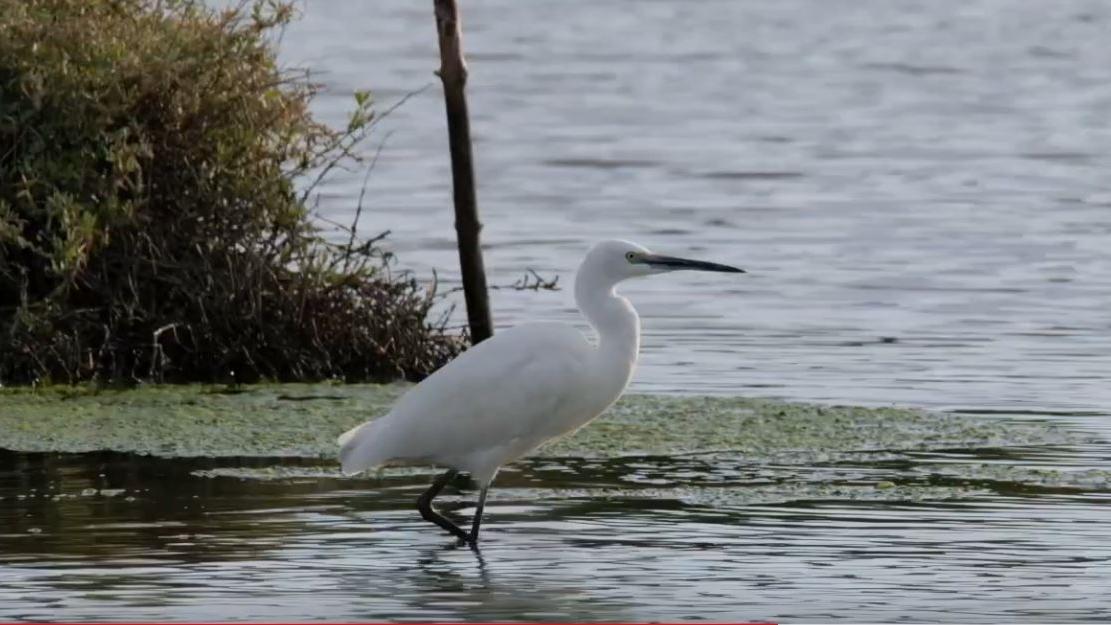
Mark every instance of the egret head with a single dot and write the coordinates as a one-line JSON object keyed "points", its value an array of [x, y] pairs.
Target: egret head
{"points": [[619, 260]]}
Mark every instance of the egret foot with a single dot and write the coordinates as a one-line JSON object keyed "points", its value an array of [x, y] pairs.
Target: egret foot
{"points": [[424, 505]]}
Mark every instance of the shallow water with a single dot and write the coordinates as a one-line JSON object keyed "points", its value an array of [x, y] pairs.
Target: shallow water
{"points": [[920, 536], [947, 526], [919, 192]]}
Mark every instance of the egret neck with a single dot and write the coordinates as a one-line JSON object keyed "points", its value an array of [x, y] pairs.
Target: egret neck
{"points": [[614, 320]]}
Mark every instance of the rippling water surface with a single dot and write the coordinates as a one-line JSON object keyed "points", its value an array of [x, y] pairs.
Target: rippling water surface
{"points": [[104, 537], [919, 190]]}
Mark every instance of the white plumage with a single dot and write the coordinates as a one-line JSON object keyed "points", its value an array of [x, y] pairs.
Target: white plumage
{"points": [[492, 404], [525, 386]]}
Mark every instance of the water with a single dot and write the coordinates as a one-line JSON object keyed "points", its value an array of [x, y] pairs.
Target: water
{"points": [[149, 539], [919, 192], [928, 172]]}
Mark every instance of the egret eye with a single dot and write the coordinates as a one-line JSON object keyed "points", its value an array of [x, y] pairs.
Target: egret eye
{"points": [[629, 256]]}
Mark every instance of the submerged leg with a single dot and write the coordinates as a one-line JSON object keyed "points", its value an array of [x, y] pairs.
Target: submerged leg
{"points": [[424, 504], [478, 515]]}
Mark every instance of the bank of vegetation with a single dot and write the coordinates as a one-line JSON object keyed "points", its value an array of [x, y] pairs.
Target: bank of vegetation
{"points": [[156, 176]]}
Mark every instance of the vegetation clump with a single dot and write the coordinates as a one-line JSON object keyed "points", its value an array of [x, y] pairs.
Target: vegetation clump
{"points": [[303, 420], [156, 165]]}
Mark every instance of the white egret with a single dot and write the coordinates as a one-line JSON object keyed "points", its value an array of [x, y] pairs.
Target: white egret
{"points": [[524, 386]]}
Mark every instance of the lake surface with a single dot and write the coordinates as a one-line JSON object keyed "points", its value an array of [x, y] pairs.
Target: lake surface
{"points": [[919, 192], [929, 173], [112, 537]]}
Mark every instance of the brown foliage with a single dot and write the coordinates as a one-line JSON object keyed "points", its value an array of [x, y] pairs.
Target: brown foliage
{"points": [[151, 224]]}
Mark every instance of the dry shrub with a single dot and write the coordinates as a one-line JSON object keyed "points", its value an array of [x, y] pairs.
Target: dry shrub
{"points": [[151, 225]]}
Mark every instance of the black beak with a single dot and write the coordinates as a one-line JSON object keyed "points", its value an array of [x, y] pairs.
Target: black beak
{"points": [[674, 263]]}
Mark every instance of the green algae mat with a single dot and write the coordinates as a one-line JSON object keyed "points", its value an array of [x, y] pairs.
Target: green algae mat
{"points": [[301, 420]]}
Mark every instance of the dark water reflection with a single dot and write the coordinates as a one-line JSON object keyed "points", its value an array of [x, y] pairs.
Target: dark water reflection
{"points": [[108, 536]]}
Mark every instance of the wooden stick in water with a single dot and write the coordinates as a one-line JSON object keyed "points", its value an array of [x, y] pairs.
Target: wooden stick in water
{"points": [[453, 73]]}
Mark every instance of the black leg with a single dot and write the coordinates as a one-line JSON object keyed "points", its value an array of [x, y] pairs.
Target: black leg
{"points": [[424, 504], [478, 515]]}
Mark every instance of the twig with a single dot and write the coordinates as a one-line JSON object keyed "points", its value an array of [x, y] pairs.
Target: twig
{"points": [[362, 195], [539, 283]]}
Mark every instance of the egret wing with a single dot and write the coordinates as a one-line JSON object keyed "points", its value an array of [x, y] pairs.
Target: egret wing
{"points": [[512, 386]]}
